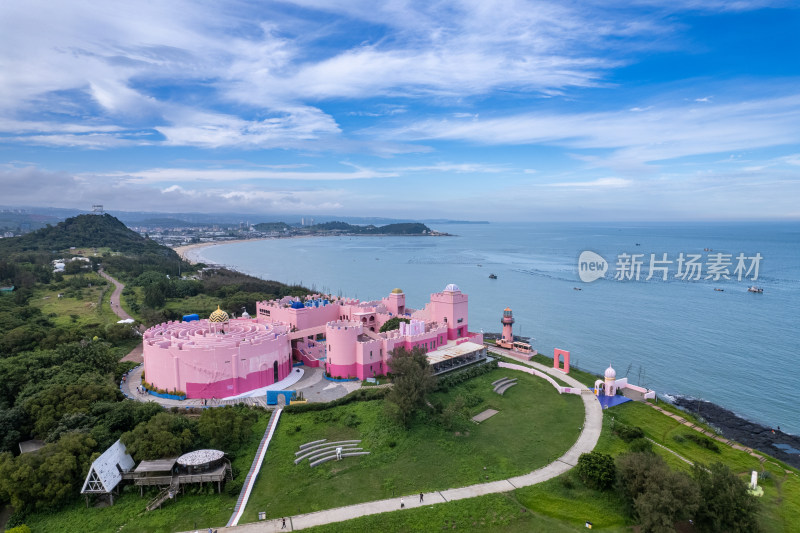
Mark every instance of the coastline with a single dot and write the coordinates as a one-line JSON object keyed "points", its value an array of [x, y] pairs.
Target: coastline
{"points": [[190, 252], [743, 431]]}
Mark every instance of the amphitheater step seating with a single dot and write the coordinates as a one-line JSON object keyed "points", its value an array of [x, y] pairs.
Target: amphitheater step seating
{"points": [[312, 443], [502, 385], [322, 451], [313, 446], [326, 458]]}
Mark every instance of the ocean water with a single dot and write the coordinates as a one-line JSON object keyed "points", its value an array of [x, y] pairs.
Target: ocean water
{"points": [[730, 347]]}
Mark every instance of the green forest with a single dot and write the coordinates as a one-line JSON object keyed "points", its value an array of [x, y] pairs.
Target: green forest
{"points": [[60, 351]]}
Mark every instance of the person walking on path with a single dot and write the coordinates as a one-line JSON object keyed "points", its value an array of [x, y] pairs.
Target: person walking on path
{"points": [[420, 497], [402, 503], [283, 525]]}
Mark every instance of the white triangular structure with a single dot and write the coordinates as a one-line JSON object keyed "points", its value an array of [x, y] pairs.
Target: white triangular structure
{"points": [[106, 471]]}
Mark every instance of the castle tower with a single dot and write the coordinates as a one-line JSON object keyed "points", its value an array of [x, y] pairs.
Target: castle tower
{"points": [[396, 303], [610, 384], [449, 307], [507, 321]]}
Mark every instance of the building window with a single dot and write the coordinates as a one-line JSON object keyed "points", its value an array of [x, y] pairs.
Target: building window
{"points": [[460, 320]]}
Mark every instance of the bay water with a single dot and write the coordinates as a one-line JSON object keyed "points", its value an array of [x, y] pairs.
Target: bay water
{"points": [[732, 347]]}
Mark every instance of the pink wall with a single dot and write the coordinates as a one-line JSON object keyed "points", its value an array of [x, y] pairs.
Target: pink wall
{"points": [[191, 357], [307, 317]]}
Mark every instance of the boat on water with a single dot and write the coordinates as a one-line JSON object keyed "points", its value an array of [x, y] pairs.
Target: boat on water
{"points": [[720, 290], [492, 276], [577, 289], [755, 289]]}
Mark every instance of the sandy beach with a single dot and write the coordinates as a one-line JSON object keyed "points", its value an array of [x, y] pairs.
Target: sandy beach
{"points": [[191, 252]]}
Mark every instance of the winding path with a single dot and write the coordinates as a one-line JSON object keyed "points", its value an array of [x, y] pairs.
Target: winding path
{"points": [[115, 296], [135, 355], [590, 433]]}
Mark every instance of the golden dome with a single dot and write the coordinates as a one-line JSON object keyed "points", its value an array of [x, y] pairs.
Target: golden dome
{"points": [[397, 291], [218, 316]]}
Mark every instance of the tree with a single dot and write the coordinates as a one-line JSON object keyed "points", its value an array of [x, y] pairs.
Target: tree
{"points": [[48, 477], [413, 379], [226, 428], [49, 405], [725, 504], [655, 495], [164, 435], [665, 501], [393, 323], [597, 470]]}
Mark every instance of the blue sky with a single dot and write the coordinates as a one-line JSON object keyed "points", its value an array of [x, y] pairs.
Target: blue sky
{"points": [[508, 110]]}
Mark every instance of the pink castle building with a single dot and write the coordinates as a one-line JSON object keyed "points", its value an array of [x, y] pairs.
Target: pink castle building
{"points": [[221, 357]]}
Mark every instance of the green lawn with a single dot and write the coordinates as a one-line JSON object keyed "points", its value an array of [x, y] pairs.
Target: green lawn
{"points": [[202, 304], [495, 512], [85, 304], [198, 508], [534, 426]]}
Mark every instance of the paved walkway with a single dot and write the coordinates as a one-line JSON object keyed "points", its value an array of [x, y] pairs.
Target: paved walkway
{"points": [[313, 386], [592, 426]]}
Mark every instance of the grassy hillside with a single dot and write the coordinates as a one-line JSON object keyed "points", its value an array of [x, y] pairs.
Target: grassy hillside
{"points": [[95, 231]]}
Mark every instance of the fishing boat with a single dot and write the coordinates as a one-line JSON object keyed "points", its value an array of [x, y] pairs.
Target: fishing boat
{"points": [[492, 276], [755, 289]]}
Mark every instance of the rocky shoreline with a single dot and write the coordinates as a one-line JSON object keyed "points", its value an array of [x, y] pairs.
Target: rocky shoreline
{"points": [[734, 427]]}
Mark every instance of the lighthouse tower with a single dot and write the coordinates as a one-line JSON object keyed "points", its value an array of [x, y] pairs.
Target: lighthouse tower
{"points": [[507, 321]]}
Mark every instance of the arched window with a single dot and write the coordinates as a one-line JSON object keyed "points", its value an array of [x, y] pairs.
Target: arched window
{"points": [[275, 372]]}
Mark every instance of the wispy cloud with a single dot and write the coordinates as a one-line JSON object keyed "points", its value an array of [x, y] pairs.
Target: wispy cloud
{"points": [[217, 175], [613, 183], [649, 135]]}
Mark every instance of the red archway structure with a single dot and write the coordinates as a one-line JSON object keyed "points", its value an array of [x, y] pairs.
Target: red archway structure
{"points": [[558, 354]]}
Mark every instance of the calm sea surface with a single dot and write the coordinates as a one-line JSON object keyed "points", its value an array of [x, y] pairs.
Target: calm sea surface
{"points": [[731, 347]]}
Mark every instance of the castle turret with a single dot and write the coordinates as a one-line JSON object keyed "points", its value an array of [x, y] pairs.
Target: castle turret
{"points": [[507, 321]]}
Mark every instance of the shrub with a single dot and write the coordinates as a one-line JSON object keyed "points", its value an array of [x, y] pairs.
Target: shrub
{"points": [[19, 529], [234, 487], [702, 440], [597, 470], [628, 433], [641, 446]]}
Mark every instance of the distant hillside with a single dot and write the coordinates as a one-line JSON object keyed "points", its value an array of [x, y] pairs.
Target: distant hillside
{"points": [[272, 226], [401, 228], [82, 231]]}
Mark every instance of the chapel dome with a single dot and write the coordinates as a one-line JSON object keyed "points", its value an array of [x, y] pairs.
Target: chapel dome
{"points": [[452, 288], [397, 291], [218, 316], [610, 372]]}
